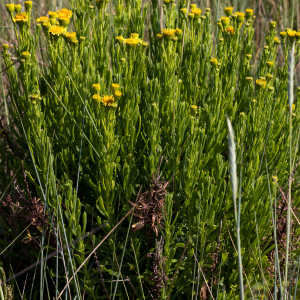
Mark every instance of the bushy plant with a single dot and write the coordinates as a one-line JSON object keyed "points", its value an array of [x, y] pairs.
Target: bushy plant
{"points": [[123, 118]]}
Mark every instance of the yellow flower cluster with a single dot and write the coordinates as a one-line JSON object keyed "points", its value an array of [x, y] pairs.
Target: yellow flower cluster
{"points": [[61, 18], [131, 42]]}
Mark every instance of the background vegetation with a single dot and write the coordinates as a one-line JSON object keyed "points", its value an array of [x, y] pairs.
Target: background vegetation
{"points": [[118, 164]]}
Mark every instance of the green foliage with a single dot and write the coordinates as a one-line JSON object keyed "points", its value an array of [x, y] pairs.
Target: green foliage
{"points": [[121, 104]]}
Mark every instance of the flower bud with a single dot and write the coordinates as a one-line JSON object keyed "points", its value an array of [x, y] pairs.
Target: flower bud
{"points": [[96, 99], [18, 8], [25, 55], [228, 11], [249, 13], [10, 8], [115, 87], [213, 62], [28, 6], [96, 88], [225, 21]]}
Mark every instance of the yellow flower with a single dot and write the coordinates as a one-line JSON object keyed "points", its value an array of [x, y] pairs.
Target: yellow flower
{"points": [[131, 42], [276, 40], [183, 11], [134, 35], [18, 8], [269, 77], [270, 64], [63, 19], [46, 25], [261, 83], [20, 18], [249, 12], [28, 6], [178, 32], [197, 12], [240, 17], [193, 6], [213, 61], [66, 11], [42, 19], [115, 87], [117, 95], [297, 35], [272, 24], [71, 37], [159, 36], [194, 110], [56, 30], [107, 100], [52, 14], [291, 34], [97, 99], [120, 39], [168, 33], [96, 87], [293, 106], [249, 79], [225, 21], [230, 29], [26, 55], [191, 16], [228, 11], [10, 8]]}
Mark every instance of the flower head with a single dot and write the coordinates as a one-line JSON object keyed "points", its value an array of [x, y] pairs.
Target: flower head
{"points": [[249, 13], [197, 12], [26, 55], [131, 43], [159, 36], [291, 34], [168, 33], [193, 6], [96, 88], [276, 40], [270, 64], [56, 30], [117, 95], [272, 24], [249, 79], [178, 32], [20, 18], [97, 99], [42, 19], [228, 11], [66, 11], [46, 26], [194, 110], [261, 83], [28, 6], [230, 29], [71, 37], [18, 8], [240, 17], [107, 100], [63, 19], [134, 35], [213, 62], [10, 8], [52, 14], [115, 87], [282, 34], [191, 16], [183, 11], [120, 39], [269, 77], [225, 21]]}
